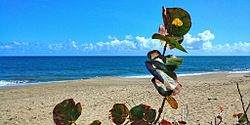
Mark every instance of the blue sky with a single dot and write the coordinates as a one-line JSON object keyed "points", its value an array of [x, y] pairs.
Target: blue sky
{"points": [[119, 27]]}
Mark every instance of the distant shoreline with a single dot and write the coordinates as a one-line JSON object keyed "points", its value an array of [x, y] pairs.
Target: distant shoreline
{"points": [[12, 84]]}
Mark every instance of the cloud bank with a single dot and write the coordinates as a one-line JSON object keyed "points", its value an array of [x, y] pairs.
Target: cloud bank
{"points": [[204, 43]]}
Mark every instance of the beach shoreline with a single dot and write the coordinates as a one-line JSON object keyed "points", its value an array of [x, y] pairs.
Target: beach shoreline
{"points": [[33, 104]]}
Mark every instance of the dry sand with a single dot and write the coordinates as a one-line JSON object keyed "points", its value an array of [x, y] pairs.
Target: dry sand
{"points": [[33, 105]]}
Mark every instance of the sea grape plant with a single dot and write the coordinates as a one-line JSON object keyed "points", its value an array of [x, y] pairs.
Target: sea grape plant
{"points": [[177, 23]]}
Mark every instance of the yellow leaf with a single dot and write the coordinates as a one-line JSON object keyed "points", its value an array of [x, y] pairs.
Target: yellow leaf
{"points": [[172, 102], [177, 22]]}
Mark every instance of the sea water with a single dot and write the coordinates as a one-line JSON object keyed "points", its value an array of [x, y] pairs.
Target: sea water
{"points": [[15, 71]]}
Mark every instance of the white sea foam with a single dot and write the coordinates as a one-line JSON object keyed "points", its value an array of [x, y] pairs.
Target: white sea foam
{"points": [[240, 72], [189, 74], [139, 76], [12, 82]]}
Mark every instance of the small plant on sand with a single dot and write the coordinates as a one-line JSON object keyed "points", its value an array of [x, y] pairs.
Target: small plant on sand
{"points": [[177, 23], [240, 118]]}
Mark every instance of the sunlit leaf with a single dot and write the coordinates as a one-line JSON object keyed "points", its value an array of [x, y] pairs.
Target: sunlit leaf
{"points": [[161, 89], [119, 113], [172, 102], [167, 80], [165, 122], [96, 122], [66, 112]]}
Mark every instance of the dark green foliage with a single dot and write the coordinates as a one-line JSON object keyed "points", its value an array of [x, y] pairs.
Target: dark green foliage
{"points": [[242, 118], [171, 40], [173, 63], [119, 113], [66, 112], [137, 112], [142, 114], [150, 115]]}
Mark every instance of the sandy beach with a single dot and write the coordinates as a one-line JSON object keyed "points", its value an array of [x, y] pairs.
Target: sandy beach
{"points": [[33, 105]]}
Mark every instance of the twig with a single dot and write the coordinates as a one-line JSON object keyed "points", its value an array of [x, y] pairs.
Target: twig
{"points": [[248, 106], [160, 110], [242, 103]]}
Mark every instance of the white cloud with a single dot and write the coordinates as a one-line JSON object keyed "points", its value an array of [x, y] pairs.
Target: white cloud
{"points": [[116, 45], [111, 37], [5, 47], [12, 45], [202, 41], [189, 39], [206, 35], [56, 46], [20, 43], [128, 37], [74, 44], [205, 43], [234, 48]]}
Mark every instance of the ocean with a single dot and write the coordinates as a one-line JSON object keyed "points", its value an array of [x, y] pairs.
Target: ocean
{"points": [[16, 71]]}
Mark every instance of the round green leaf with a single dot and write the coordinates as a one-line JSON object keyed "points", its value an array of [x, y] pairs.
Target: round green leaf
{"points": [[142, 113], [119, 113], [177, 15], [137, 112], [150, 115], [66, 112]]}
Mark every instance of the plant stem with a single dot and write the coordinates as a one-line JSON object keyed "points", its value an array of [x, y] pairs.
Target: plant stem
{"points": [[160, 110], [164, 49], [242, 103]]}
